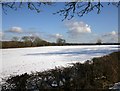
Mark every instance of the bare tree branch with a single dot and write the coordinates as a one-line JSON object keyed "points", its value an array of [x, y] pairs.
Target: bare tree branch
{"points": [[69, 10], [81, 8], [36, 6]]}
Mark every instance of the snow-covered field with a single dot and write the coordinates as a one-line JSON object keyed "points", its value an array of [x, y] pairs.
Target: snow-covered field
{"points": [[21, 60]]}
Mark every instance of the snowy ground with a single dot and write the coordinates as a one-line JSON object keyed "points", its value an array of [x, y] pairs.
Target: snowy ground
{"points": [[21, 60], [116, 86]]}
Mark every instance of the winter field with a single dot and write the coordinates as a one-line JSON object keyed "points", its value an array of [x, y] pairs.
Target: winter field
{"points": [[17, 61]]}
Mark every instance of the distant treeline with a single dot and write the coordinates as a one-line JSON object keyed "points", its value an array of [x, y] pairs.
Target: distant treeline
{"points": [[19, 44], [22, 44], [94, 75], [92, 44]]}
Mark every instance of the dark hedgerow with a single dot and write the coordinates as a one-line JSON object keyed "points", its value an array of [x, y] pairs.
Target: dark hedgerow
{"points": [[98, 73]]}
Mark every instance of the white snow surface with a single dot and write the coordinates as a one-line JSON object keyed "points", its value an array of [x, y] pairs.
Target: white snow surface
{"points": [[116, 86], [17, 61]]}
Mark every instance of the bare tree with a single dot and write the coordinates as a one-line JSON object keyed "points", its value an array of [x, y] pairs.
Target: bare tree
{"points": [[99, 41], [27, 41], [69, 10], [37, 41], [32, 38], [25, 38], [15, 39], [60, 41], [80, 8], [35, 6]]}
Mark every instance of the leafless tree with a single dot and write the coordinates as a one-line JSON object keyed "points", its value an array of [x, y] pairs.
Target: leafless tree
{"points": [[69, 10], [60, 41], [99, 41], [81, 8], [30, 5], [25, 38], [15, 39]]}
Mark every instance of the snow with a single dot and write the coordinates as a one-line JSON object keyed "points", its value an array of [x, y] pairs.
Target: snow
{"points": [[17, 61], [116, 86]]}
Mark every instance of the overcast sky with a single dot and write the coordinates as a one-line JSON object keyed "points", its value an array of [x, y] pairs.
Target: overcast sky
{"points": [[89, 28]]}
